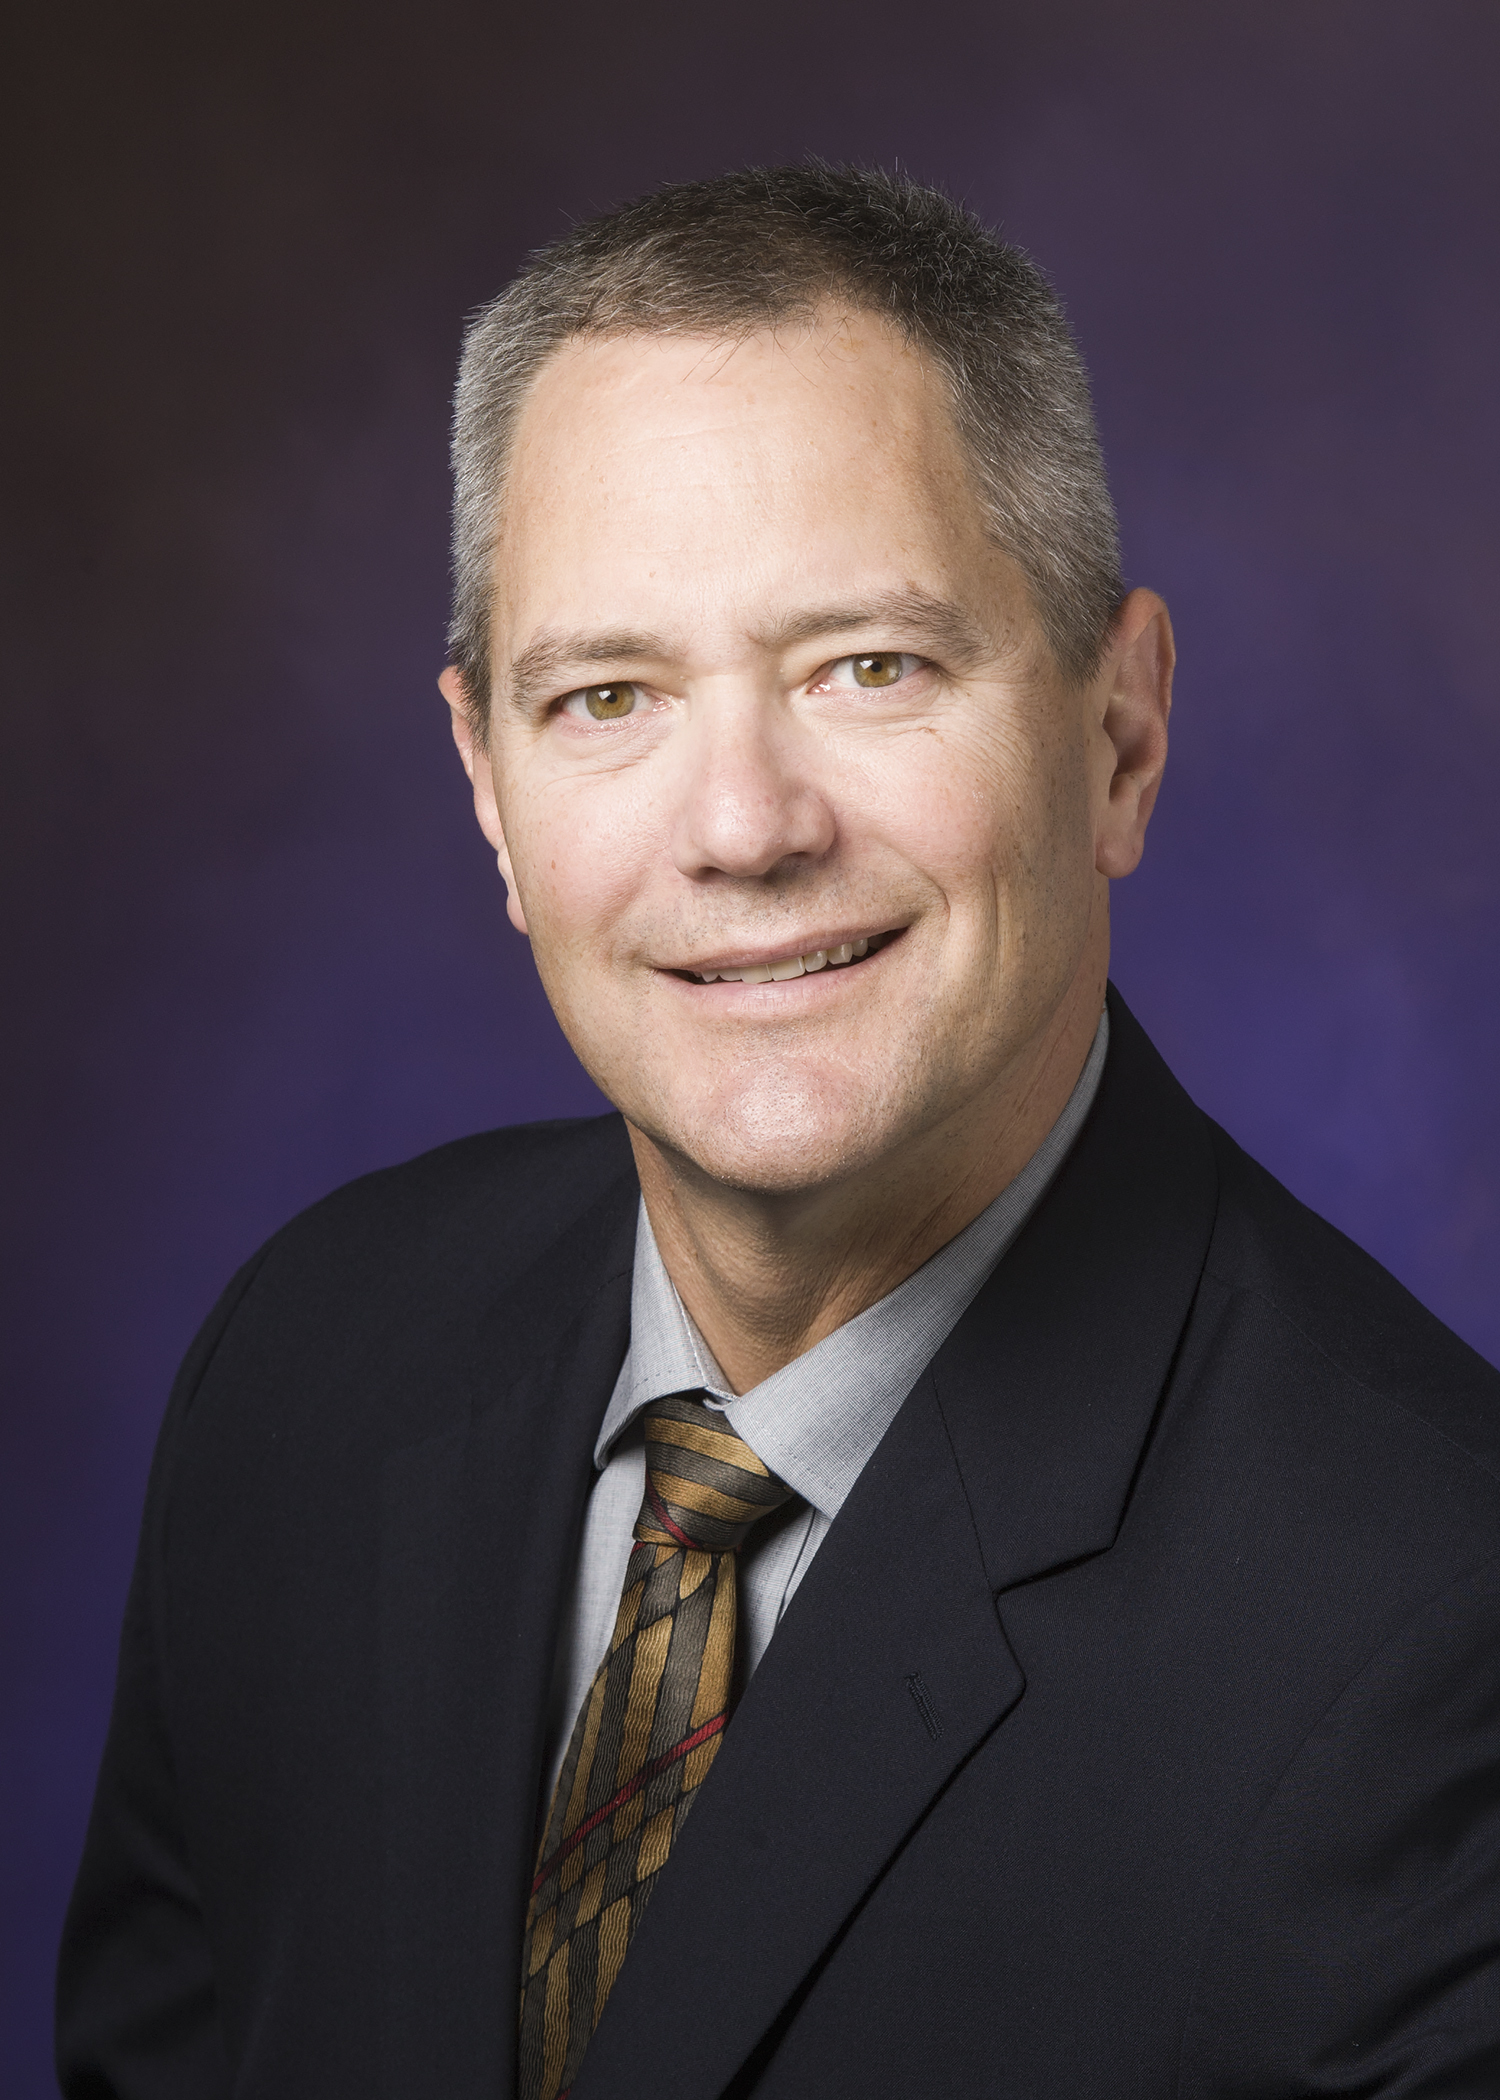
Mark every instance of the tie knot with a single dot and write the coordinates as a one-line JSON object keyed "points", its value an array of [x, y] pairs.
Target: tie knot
{"points": [[705, 1487]]}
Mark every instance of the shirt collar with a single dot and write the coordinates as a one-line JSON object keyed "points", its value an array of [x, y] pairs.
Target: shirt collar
{"points": [[817, 1421]]}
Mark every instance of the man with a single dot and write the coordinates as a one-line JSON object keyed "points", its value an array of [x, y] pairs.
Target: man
{"points": [[902, 1563]]}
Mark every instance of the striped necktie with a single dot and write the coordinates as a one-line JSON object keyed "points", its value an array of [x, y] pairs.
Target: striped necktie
{"points": [[645, 1736]]}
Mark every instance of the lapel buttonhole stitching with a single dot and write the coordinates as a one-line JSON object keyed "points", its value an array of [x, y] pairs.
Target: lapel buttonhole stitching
{"points": [[922, 1700]]}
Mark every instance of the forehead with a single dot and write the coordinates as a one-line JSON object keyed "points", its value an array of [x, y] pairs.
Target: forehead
{"points": [[700, 474]]}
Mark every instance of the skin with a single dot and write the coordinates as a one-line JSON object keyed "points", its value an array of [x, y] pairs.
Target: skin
{"points": [[722, 527]]}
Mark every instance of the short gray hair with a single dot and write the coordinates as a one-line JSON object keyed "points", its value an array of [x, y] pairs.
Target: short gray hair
{"points": [[771, 246]]}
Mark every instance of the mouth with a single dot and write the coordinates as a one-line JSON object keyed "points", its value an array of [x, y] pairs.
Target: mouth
{"points": [[781, 969]]}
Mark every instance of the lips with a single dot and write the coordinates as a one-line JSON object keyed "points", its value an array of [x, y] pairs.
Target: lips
{"points": [[787, 967]]}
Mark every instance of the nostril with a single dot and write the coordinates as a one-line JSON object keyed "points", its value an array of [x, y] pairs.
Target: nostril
{"points": [[752, 824]]}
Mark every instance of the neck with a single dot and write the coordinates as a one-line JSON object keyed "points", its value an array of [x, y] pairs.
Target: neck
{"points": [[766, 1276]]}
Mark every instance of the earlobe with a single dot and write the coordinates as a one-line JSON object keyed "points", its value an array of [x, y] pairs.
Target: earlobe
{"points": [[476, 763], [513, 910]]}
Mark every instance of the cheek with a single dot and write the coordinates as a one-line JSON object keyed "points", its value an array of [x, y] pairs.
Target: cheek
{"points": [[979, 814], [579, 857]]}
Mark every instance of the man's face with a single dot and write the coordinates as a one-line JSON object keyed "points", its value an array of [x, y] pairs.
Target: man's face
{"points": [[798, 815]]}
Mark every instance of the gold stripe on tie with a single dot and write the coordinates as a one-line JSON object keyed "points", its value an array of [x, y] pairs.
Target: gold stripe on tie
{"points": [[718, 1656], [614, 1938], [593, 1713], [705, 1501], [713, 1443], [555, 2017], [640, 1705]]}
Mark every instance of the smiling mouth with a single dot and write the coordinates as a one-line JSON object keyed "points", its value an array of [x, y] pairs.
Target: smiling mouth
{"points": [[843, 957]]}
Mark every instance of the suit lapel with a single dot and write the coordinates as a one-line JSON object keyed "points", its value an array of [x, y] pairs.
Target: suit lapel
{"points": [[1050, 1383], [1014, 1455], [479, 1538]]}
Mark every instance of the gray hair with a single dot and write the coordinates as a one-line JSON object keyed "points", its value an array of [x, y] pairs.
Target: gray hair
{"points": [[770, 246]]}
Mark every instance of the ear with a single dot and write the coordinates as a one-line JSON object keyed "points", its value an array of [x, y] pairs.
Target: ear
{"points": [[481, 772], [1130, 703]]}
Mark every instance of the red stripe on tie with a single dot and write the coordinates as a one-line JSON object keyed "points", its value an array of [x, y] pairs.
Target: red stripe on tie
{"points": [[628, 1793], [660, 1509]]}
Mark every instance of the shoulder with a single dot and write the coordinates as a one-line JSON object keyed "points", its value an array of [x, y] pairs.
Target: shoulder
{"points": [[363, 1316], [1352, 1511], [1348, 1321], [500, 1197]]}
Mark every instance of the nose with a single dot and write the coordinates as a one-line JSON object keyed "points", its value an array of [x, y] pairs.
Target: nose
{"points": [[750, 800]]}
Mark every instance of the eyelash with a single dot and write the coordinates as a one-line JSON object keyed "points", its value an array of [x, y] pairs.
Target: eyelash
{"points": [[581, 693], [909, 664]]}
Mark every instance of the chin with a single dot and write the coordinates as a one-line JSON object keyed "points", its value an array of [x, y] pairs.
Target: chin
{"points": [[774, 1133]]}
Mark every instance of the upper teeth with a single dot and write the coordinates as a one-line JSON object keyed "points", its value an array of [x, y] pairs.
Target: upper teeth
{"points": [[794, 965]]}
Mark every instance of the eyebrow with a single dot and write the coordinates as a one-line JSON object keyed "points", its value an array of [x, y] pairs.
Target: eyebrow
{"points": [[540, 667], [543, 665], [939, 620]]}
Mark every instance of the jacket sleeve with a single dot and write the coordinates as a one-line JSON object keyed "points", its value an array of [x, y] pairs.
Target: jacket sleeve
{"points": [[136, 2010], [1358, 1949]]}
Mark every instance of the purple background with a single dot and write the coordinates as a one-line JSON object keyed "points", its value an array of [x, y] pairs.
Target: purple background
{"points": [[255, 944]]}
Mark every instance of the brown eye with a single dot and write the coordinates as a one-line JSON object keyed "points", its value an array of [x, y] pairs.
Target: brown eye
{"points": [[884, 669], [607, 703]]}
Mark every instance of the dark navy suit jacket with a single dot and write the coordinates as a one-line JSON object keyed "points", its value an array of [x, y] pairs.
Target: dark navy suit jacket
{"points": [[1135, 1734]]}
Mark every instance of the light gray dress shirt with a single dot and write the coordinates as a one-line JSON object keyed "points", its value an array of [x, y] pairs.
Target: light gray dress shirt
{"points": [[815, 1422]]}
